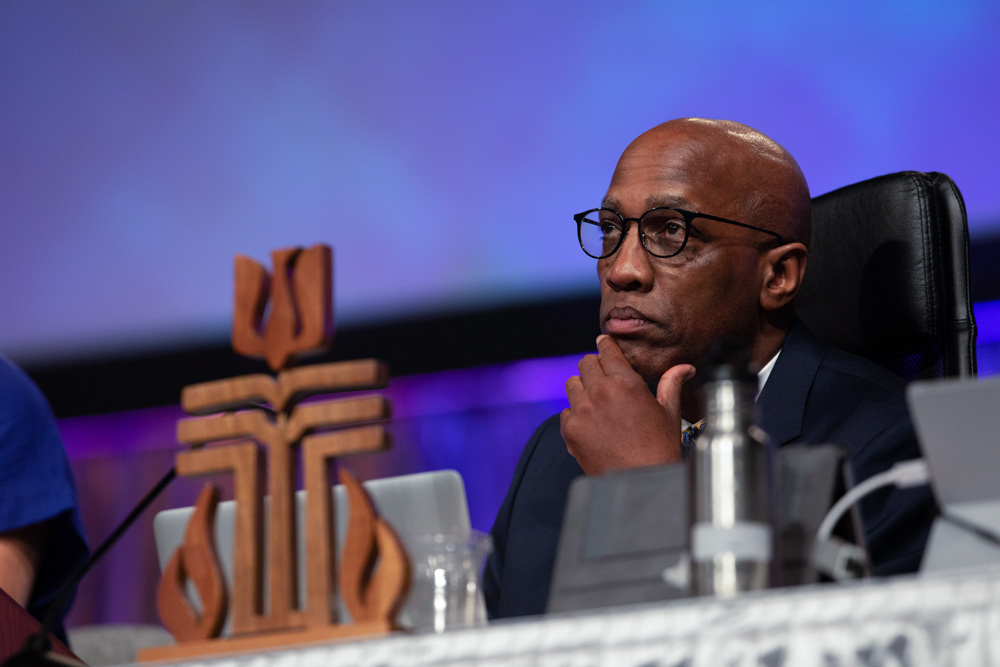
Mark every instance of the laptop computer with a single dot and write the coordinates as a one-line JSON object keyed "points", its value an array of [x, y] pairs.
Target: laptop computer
{"points": [[414, 505], [624, 538], [958, 427]]}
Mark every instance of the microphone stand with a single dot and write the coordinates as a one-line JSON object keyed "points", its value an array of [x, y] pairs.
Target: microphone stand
{"points": [[38, 648]]}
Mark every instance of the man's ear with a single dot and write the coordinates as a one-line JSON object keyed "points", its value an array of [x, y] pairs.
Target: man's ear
{"points": [[784, 267]]}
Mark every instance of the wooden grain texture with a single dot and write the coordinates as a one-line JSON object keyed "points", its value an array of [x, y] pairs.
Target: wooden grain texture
{"points": [[252, 288], [282, 574], [317, 451], [243, 461], [231, 394], [304, 419], [311, 416], [281, 438], [374, 570], [279, 330], [290, 387], [269, 411], [195, 560], [301, 296], [391, 581], [280, 549], [201, 430], [16, 625], [358, 556], [312, 287], [265, 642]]}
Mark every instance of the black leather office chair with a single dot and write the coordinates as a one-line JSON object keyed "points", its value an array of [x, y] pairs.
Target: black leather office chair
{"points": [[888, 275]]}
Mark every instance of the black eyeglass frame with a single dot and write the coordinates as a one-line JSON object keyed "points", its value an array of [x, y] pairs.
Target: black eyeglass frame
{"points": [[687, 215]]}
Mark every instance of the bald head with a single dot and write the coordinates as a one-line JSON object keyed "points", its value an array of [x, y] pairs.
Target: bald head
{"points": [[726, 281], [764, 184]]}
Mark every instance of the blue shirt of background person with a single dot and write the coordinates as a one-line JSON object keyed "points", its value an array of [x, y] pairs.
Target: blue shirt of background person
{"points": [[41, 535]]}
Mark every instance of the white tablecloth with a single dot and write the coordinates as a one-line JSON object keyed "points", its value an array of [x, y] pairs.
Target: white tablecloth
{"points": [[944, 619]]}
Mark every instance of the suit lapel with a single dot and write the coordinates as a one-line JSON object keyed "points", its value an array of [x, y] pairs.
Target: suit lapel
{"points": [[781, 405]]}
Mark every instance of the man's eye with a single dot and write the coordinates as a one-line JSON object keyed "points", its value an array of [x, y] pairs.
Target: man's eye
{"points": [[664, 228], [609, 228]]}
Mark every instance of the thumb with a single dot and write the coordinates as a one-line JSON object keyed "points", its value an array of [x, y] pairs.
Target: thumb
{"points": [[668, 390]]}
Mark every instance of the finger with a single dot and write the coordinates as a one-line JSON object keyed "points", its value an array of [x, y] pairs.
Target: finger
{"points": [[590, 370], [564, 417], [610, 355], [668, 390], [574, 390]]}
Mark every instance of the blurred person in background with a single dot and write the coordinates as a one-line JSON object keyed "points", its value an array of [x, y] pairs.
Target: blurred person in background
{"points": [[41, 534]]}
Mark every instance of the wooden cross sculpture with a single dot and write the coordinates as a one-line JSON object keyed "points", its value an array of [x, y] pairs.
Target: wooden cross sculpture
{"points": [[257, 414]]}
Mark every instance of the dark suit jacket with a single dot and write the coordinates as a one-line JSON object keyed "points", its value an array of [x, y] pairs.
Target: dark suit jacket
{"points": [[814, 395]]}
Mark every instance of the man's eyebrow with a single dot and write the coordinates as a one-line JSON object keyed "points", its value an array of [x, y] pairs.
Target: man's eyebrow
{"points": [[669, 201], [652, 201]]}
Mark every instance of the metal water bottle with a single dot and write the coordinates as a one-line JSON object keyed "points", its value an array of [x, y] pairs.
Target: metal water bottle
{"points": [[731, 477]]}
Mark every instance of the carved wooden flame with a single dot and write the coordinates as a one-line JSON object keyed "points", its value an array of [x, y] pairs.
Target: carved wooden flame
{"points": [[300, 292], [195, 560], [375, 570]]}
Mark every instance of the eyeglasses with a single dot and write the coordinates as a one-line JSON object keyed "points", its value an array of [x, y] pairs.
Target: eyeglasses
{"points": [[663, 231]]}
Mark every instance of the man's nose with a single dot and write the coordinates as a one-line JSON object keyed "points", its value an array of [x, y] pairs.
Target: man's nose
{"points": [[629, 267]]}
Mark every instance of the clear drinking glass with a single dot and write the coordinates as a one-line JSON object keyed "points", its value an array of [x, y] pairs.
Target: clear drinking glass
{"points": [[446, 591]]}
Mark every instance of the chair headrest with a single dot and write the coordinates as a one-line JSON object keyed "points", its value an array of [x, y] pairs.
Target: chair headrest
{"points": [[877, 279]]}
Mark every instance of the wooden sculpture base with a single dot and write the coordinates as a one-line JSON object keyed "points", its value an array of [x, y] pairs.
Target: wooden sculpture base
{"points": [[263, 642]]}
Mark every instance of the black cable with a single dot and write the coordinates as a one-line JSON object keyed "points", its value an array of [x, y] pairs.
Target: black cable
{"points": [[39, 642]]}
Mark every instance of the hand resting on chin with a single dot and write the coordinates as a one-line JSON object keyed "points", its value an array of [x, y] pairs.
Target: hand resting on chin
{"points": [[614, 421]]}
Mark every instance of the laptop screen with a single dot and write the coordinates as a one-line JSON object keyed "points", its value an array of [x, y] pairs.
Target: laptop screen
{"points": [[958, 427]]}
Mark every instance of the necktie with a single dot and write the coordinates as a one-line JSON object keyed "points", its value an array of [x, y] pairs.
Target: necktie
{"points": [[689, 435]]}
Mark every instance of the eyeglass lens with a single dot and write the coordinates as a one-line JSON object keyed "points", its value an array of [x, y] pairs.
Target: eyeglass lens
{"points": [[663, 232]]}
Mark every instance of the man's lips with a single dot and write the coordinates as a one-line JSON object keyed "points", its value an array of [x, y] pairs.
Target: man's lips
{"points": [[625, 320]]}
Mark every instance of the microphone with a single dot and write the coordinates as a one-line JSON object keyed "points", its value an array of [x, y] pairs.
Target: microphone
{"points": [[38, 648]]}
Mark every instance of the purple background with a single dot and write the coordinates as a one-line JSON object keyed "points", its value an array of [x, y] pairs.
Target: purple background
{"points": [[440, 147]]}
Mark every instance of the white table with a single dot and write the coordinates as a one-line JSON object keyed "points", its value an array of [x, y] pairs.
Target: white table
{"points": [[943, 619]]}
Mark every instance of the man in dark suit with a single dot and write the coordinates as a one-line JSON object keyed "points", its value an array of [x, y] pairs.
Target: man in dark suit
{"points": [[720, 217]]}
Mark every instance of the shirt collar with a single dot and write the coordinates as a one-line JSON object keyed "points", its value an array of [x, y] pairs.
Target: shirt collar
{"points": [[765, 373]]}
